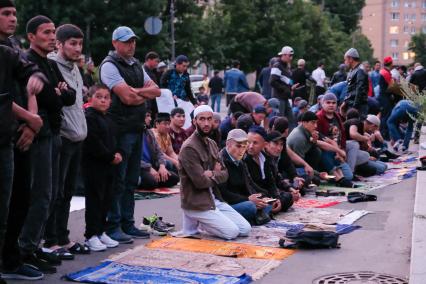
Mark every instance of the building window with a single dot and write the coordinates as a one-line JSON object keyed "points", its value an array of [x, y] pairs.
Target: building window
{"points": [[406, 17], [406, 30], [413, 30], [394, 43], [395, 16], [395, 3], [424, 4], [395, 55], [407, 4], [413, 17], [393, 29], [406, 44], [423, 17], [405, 55], [413, 4]]}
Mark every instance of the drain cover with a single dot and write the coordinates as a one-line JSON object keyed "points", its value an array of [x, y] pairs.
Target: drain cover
{"points": [[363, 277]]}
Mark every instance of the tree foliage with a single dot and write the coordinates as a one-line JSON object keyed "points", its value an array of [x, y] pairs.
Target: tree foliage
{"points": [[418, 46], [251, 31]]}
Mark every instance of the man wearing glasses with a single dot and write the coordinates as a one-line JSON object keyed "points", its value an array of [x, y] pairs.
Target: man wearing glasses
{"points": [[282, 83]]}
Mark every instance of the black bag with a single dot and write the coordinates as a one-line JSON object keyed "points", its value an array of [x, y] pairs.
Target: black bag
{"points": [[261, 218], [310, 239]]}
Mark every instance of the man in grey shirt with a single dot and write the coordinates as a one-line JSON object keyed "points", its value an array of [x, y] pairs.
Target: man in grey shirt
{"points": [[131, 87]]}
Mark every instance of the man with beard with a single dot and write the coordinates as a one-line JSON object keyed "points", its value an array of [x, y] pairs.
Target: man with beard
{"points": [[201, 170]]}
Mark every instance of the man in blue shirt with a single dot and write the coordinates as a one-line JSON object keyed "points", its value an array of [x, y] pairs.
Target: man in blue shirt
{"points": [[235, 82]]}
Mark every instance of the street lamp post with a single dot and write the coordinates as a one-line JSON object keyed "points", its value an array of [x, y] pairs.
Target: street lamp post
{"points": [[172, 27]]}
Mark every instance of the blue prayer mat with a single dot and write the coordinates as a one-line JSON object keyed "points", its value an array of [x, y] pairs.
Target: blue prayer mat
{"points": [[113, 272]]}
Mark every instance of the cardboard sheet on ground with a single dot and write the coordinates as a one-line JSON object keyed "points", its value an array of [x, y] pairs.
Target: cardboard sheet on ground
{"points": [[196, 262], [166, 103], [77, 203], [328, 216], [114, 273], [220, 248], [188, 107]]}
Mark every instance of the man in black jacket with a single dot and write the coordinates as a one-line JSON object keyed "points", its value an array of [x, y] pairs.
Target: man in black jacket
{"points": [[237, 190], [357, 94], [282, 83], [44, 153]]}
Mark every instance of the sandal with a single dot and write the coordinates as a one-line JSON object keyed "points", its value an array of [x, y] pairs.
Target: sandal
{"points": [[354, 197], [79, 249], [63, 254]]}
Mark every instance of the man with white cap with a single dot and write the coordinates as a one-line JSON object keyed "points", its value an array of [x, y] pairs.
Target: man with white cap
{"points": [[282, 83], [357, 94], [300, 75], [130, 88], [201, 171]]}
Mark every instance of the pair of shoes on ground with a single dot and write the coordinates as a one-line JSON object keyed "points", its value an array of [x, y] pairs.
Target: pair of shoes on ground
{"points": [[354, 197], [23, 272], [156, 225], [398, 147], [126, 236], [101, 243]]}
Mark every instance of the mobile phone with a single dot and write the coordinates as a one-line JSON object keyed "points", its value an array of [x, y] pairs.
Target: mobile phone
{"points": [[269, 200]]}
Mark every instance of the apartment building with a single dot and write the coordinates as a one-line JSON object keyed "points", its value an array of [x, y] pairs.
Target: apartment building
{"points": [[389, 24]]}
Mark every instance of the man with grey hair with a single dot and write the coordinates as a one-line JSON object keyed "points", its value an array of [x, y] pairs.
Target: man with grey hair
{"points": [[357, 93], [201, 171]]}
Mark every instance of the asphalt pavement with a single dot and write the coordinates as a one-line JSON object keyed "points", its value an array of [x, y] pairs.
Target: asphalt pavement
{"points": [[382, 245]]}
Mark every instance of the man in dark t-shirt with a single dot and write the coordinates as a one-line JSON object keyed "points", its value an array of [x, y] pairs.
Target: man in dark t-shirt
{"points": [[216, 90]]}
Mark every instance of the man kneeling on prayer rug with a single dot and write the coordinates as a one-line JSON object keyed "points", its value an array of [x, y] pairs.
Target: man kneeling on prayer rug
{"points": [[201, 170]]}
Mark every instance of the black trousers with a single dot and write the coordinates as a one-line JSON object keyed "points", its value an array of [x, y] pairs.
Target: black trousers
{"points": [[19, 204], [99, 186], [149, 182]]}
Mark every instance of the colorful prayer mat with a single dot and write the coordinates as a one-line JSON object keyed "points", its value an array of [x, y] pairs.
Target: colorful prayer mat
{"points": [[220, 248], [196, 262], [163, 190], [113, 273], [320, 202], [328, 216]]}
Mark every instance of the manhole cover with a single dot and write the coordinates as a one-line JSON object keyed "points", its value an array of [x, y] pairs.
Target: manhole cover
{"points": [[363, 277]]}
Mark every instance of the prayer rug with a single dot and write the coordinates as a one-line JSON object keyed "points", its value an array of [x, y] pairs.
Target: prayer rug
{"points": [[163, 190], [148, 195], [113, 273], [196, 262], [320, 202], [328, 216], [221, 248], [353, 216]]}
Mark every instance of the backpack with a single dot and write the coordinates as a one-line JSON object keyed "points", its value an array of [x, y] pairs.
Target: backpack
{"points": [[310, 239]]}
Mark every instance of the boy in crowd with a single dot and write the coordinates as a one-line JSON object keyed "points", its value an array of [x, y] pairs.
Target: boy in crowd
{"points": [[161, 132], [202, 98], [155, 172], [100, 156], [177, 133]]}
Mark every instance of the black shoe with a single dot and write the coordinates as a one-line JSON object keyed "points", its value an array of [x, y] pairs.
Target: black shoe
{"points": [[136, 233], [50, 258], [390, 155], [345, 183], [39, 264], [24, 272]]}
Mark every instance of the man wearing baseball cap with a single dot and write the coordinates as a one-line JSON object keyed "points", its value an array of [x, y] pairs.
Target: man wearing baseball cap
{"points": [[201, 171], [385, 97], [237, 191], [130, 88], [282, 83]]}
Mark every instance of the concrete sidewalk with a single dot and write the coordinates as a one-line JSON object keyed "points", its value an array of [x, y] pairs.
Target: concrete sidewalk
{"points": [[418, 250]]}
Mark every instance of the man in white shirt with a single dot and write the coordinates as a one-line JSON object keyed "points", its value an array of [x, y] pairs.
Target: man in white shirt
{"points": [[319, 76]]}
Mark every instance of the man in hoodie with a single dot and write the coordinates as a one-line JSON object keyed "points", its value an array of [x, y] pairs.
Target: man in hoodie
{"points": [[131, 87], [69, 41]]}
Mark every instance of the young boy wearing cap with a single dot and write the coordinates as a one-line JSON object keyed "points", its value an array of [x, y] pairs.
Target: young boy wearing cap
{"points": [[201, 171]]}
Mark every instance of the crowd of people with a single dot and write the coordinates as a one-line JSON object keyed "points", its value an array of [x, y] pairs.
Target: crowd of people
{"points": [[60, 125]]}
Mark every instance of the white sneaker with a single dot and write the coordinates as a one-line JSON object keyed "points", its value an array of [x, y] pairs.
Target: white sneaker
{"points": [[95, 244], [397, 146], [106, 240]]}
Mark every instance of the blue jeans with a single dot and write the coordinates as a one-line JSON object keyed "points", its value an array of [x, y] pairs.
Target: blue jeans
{"points": [[6, 180], [379, 166], [329, 163], [386, 104], [399, 113], [248, 210], [123, 204], [215, 98]]}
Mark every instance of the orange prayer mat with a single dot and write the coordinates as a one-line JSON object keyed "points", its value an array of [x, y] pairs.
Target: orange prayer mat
{"points": [[221, 248]]}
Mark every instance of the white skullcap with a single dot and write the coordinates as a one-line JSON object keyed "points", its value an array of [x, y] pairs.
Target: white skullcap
{"points": [[301, 62], [202, 108]]}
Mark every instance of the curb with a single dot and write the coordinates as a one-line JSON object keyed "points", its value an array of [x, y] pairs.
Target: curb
{"points": [[418, 243]]}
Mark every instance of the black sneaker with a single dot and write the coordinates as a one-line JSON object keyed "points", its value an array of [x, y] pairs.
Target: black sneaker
{"points": [[24, 272], [345, 183], [136, 233], [39, 264], [169, 225], [50, 258]]}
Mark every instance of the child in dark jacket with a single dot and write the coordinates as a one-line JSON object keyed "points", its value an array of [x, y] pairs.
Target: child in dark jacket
{"points": [[100, 156]]}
